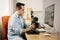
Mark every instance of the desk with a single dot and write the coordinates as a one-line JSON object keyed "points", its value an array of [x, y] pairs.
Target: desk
{"points": [[40, 36]]}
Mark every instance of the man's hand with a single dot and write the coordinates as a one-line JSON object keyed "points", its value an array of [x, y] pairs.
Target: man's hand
{"points": [[31, 27]]}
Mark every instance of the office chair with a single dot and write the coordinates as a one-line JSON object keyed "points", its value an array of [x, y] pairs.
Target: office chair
{"points": [[4, 27]]}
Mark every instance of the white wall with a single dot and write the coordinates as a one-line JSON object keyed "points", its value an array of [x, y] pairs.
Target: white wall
{"points": [[12, 6], [35, 4], [47, 3], [57, 18], [4, 5], [7, 7]]}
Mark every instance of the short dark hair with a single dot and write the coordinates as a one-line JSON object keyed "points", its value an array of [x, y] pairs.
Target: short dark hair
{"points": [[18, 5]]}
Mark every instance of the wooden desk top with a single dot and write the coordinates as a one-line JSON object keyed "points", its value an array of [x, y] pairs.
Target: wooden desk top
{"points": [[41, 36]]}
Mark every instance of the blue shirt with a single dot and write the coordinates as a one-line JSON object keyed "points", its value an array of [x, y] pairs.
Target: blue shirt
{"points": [[15, 26]]}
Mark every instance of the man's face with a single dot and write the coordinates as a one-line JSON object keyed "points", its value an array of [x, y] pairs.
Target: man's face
{"points": [[21, 11]]}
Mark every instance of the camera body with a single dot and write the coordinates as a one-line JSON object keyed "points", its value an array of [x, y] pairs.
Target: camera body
{"points": [[35, 22]]}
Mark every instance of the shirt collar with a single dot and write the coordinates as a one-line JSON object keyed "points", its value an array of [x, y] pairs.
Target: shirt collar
{"points": [[17, 15]]}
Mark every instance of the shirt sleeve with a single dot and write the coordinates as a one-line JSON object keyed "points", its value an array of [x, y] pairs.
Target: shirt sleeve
{"points": [[15, 26], [25, 26]]}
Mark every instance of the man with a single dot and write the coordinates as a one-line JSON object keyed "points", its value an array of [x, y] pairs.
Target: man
{"points": [[16, 25]]}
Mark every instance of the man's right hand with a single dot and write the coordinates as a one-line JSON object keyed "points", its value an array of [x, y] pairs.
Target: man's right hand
{"points": [[31, 27]]}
